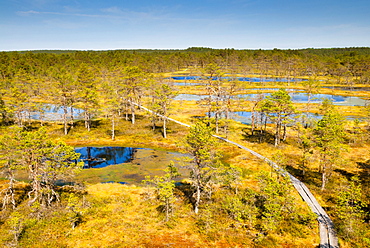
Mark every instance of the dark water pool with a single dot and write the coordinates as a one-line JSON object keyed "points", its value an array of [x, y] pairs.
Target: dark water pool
{"points": [[127, 164], [98, 157]]}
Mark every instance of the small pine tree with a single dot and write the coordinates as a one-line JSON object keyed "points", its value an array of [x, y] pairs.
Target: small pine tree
{"points": [[201, 145], [329, 135], [165, 188], [349, 208]]}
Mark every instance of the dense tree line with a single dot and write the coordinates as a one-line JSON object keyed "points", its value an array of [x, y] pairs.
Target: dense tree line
{"points": [[345, 62]]}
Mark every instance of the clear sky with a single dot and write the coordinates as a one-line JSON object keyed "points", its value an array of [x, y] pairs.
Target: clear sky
{"points": [[174, 24]]}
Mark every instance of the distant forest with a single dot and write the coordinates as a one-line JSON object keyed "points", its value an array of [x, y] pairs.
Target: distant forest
{"points": [[339, 65]]}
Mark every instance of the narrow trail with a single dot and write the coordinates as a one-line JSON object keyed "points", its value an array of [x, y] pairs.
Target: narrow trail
{"points": [[328, 237]]}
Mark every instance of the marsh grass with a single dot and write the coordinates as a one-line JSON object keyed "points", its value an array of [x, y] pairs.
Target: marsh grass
{"points": [[118, 215]]}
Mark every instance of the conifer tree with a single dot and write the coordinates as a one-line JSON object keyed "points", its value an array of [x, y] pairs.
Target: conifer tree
{"points": [[134, 82], [63, 93], [201, 145], [87, 92], [349, 208], [329, 135], [278, 107], [164, 97], [311, 87], [165, 188], [46, 162]]}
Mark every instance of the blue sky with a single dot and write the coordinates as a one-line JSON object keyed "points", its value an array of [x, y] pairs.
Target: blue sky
{"points": [[174, 24]]}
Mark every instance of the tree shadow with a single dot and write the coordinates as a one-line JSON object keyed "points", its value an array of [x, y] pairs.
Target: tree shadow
{"points": [[96, 123], [346, 174], [365, 172], [258, 136], [186, 191], [307, 177]]}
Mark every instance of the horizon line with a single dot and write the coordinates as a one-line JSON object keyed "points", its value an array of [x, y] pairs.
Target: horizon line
{"points": [[179, 49]]}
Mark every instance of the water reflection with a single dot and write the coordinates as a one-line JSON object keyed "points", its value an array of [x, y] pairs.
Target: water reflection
{"points": [[243, 79], [127, 164], [52, 112], [347, 88], [297, 97], [245, 117], [98, 157], [189, 97], [187, 84], [260, 80], [274, 89]]}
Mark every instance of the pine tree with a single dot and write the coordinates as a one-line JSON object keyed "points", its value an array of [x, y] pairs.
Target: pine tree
{"points": [[87, 92], [164, 97], [201, 145], [165, 188], [46, 162], [134, 82], [349, 208], [329, 135], [278, 107]]}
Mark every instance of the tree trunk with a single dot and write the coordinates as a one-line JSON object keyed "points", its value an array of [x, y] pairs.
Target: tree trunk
{"points": [[277, 134], [164, 128], [323, 180], [153, 121], [126, 111], [167, 210], [87, 120], [226, 126], [113, 128], [65, 120], [252, 124], [132, 113], [72, 119], [197, 199], [216, 121]]}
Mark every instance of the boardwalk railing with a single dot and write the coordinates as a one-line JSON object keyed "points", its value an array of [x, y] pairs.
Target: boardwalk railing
{"points": [[328, 237]]}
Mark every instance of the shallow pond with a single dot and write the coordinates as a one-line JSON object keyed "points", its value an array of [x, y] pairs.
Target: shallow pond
{"points": [[274, 89], [297, 97], [243, 79], [186, 84], [346, 88], [189, 97], [245, 117], [52, 112], [127, 164]]}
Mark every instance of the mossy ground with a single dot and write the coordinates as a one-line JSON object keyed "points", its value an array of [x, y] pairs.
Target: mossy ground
{"points": [[115, 215]]}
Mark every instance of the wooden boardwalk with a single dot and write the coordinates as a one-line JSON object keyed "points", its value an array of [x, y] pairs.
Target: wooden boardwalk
{"points": [[328, 237]]}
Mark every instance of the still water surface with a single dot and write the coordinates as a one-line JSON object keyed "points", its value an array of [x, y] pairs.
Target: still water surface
{"points": [[297, 97], [127, 164]]}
